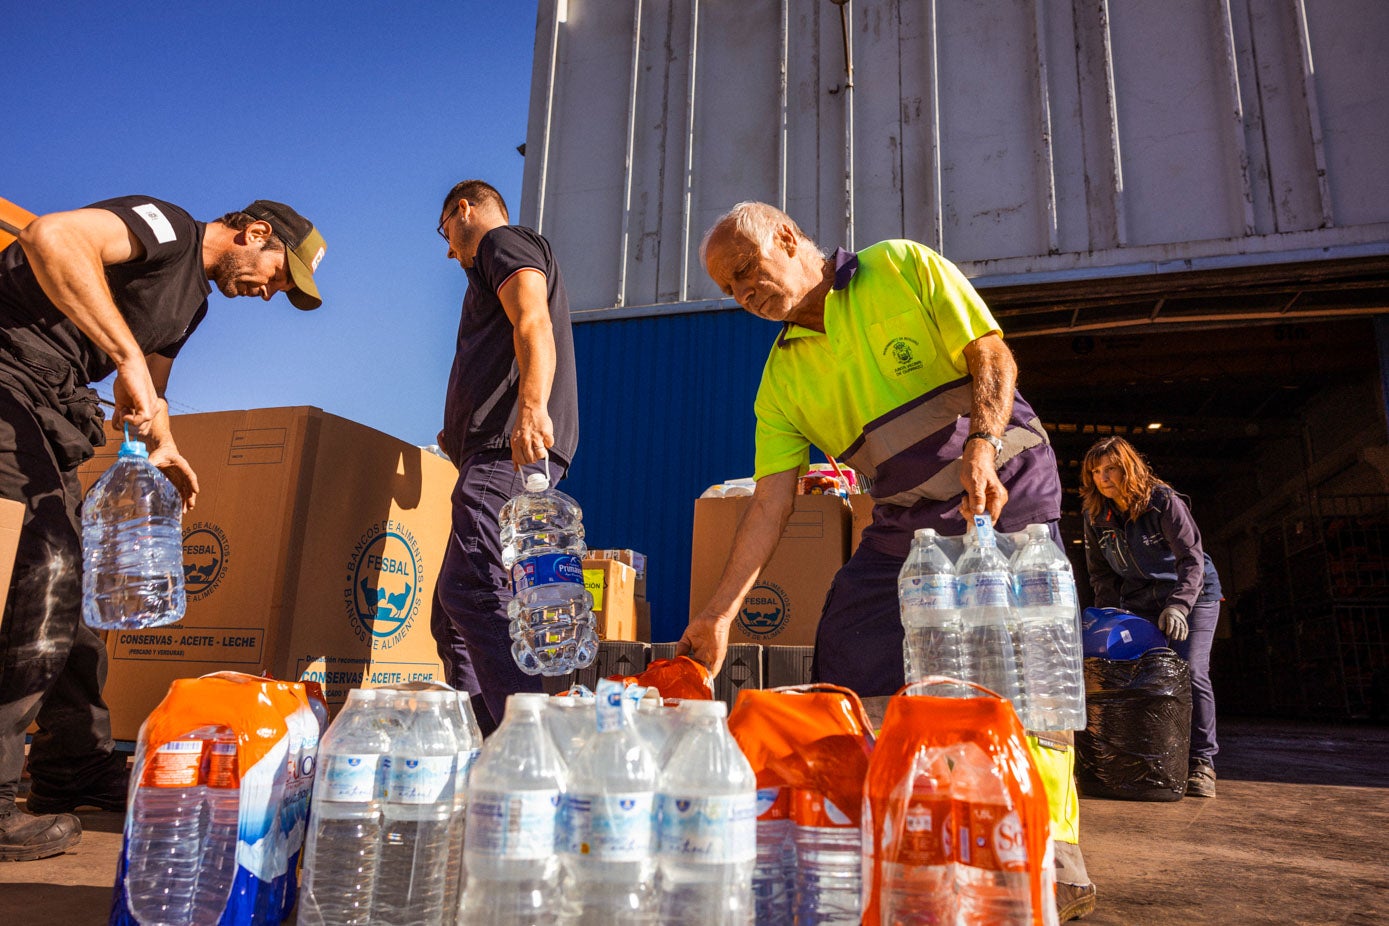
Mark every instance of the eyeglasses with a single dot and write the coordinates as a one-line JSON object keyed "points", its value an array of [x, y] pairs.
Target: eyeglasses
{"points": [[445, 220]]}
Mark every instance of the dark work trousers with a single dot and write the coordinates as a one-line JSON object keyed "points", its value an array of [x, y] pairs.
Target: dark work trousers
{"points": [[1196, 650], [859, 642], [470, 620], [52, 666]]}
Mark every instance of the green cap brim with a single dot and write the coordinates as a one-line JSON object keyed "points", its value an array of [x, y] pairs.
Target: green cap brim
{"points": [[300, 263]]}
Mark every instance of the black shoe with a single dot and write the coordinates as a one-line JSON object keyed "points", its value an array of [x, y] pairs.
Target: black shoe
{"points": [[25, 837], [107, 794], [1200, 780], [1074, 900]]}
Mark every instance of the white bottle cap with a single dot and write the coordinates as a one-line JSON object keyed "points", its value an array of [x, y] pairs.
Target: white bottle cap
{"points": [[537, 482]]}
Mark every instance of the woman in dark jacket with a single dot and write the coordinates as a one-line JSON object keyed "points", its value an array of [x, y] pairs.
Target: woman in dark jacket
{"points": [[1144, 554]]}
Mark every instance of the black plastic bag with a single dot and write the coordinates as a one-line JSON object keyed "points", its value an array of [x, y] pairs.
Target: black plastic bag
{"points": [[1138, 727]]}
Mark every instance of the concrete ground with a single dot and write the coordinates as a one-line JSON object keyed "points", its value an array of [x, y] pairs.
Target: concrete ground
{"points": [[1299, 834]]}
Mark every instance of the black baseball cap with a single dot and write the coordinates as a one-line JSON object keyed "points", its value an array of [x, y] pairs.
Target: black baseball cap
{"points": [[304, 248]]}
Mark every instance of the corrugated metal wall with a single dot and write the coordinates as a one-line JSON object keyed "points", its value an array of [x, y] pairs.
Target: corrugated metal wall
{"points": [[1070, 137], [665, 410]]}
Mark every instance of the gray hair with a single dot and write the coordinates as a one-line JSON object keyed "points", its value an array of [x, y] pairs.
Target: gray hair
{"points": [[756, 222]]}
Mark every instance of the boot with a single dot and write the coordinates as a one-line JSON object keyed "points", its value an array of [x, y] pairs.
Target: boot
{"points": [[25, 837]]}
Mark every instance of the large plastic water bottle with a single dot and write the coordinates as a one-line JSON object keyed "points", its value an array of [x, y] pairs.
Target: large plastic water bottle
{"points": [[606, 844], [829, 863], [774, 878], [552, 626], [412, 871], [223, 795], [341, 851], [991, 870], [469, 737], [513, 800], [985, 586], [934, 633], [132, 546], [919, 880], [164, 844], [1049, 625], [707, 808]]}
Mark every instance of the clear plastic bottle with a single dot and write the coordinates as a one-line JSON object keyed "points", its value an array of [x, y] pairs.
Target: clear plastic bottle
{"points": [[991, 870], [469, 737], [934, 632], [513, 801], [164, 833], [707, 811], [829, 862], [606, 844], [919, 875], [985, 585], [552, 625], [1049, 625], [412, 871], [773, 880], [132, 546], [343, 844], [569, 720], [223, 795]]}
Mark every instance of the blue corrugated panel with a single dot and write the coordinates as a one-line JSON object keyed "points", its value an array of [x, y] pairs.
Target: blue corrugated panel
{"points": [[665, 410]]}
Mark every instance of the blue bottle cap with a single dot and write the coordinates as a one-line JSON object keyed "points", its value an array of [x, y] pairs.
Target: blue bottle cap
{"points": [[133, 448]]}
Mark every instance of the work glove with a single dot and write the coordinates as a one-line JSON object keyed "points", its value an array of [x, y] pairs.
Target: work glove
{"points": [[1172, 623]]}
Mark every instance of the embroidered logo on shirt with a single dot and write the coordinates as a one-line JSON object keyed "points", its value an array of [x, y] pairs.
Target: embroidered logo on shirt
{"points": [[903, 352], [163, 231]]}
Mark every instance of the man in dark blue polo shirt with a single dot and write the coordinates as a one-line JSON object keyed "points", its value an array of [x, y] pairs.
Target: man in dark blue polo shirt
{"points": [[511, 403]]}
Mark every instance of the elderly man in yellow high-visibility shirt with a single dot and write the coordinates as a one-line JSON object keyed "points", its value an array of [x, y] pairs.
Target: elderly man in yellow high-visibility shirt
{"points": [[890, 361]]}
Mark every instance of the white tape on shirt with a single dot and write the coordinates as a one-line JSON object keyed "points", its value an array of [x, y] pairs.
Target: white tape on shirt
{"points": [[163, 231]]}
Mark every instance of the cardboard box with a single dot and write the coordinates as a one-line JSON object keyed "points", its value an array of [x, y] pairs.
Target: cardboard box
{"points": [[632, 558], [784, 606], [660, 651], [861, 513], [12, 220], [312, 554], [11, 522], [742, 669], [643, 609], [613, 587], [787, 665], [618, 657]]}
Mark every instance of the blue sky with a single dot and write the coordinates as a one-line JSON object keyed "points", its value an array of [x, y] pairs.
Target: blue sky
{"points": [[359, 114]]}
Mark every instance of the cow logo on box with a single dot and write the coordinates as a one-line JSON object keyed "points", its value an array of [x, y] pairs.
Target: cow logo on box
{"points": [[765, 611], [383, 582], [206, 554]]}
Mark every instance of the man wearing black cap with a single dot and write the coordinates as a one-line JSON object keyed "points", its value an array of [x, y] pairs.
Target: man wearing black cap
{"points": [[115, 287]]}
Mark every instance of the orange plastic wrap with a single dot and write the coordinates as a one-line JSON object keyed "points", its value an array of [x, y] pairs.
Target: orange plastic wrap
{"points": [[680, 679], [811, 737]]}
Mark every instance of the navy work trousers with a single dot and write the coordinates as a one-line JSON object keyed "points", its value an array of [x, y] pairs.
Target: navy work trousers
{"points": [[52, 666], [470, 600]]}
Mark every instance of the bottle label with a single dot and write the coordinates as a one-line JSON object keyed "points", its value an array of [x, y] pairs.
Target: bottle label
{"points": [[607, 827], [811, 809], [773, 803], [991, 837], [984, 590], [930, 593], [464, 766], [1044, 589], [518, 825], [717, 830], [546, 569], [176, 764], [926, 830], [984, 530], [221, 768], [611, 705], [349, 778], [420, 780]]}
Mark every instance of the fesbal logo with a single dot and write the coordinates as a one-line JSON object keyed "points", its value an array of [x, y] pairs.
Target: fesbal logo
{"points": [[206, 555], [384, 573], [765, 611]]}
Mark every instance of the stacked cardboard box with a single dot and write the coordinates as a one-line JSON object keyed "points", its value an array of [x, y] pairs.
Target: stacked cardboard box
{"points": [[642, 607], [312, 554], [784, 606]]}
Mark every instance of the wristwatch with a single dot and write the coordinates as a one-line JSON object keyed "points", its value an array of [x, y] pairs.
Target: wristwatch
{"points": [[995, 442]]}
